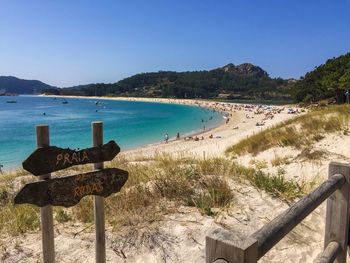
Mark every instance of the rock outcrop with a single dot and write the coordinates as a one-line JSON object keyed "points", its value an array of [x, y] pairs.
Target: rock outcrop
{"points": [[244, 69]]}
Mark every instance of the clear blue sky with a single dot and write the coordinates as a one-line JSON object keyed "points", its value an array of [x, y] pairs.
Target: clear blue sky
{"points": [[71, 42]]}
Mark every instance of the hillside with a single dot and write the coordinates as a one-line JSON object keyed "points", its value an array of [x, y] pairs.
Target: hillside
{"points": [[244, 81], [9, 84], [329, 80]]}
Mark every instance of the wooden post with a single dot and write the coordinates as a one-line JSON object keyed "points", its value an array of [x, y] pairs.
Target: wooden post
{"points": [[338, 209], [43, 140], [330, 253], [99, 211], [223, 246]]}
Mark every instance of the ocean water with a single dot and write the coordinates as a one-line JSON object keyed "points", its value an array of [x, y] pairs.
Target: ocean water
{"points": [[130, 124]]}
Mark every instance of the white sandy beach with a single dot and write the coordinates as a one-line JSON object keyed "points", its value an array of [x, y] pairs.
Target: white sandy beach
{"points": [[242, 123]]}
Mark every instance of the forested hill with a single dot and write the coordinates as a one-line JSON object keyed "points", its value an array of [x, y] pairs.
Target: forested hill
{"points": [[244, 81], [9, 84], [329, 80]]}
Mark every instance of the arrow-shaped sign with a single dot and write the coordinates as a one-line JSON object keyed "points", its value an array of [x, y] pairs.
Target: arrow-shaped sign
{"points": [[67, 191], [50, 159]]}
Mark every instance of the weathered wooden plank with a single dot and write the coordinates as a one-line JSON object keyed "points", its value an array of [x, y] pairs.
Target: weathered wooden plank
{"points": [[51, 158], [338, 212], [276, 229], [67, 191]]}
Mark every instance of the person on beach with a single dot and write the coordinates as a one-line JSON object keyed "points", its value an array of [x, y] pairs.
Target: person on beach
{"points": [[177, 136], [166, 138]]}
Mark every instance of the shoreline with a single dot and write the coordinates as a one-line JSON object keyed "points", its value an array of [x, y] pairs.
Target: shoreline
{"points": [[242, 120], [192, 103], [189, 102]]}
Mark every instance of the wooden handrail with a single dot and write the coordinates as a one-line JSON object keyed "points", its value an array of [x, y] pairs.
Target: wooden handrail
{"points": [[225, 246], [276, 229]]}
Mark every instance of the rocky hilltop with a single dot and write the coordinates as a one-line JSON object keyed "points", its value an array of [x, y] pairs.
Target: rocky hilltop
{"points": [[247, 69]]}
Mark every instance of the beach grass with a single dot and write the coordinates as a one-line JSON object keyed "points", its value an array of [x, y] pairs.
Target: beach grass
{"points": [[279, 160], [156, 187], [19, 219], [277, 185], [299, 132]]}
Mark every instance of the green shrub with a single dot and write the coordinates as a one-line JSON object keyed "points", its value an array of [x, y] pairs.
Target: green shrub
{"points": [[62, 216]]}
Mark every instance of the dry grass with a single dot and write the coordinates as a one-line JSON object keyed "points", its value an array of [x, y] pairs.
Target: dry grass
{"points": [[15, 219], [19, 219], [161, 186], [155, 188], [278, 160], [299, 132], [312, 154]]}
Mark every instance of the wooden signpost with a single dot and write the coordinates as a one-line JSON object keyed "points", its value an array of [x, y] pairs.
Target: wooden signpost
{"points": [[50, 159], [67, 191]]}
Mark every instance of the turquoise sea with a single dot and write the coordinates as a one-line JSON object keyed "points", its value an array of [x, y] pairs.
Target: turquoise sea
{"points": [[130, 124]]}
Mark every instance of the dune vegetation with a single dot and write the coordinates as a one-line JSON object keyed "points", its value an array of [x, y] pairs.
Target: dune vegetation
{"points": [[300, 132], [156, 187]]}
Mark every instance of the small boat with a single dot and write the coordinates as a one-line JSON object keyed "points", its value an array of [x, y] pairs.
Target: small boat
{"points": [[65, 102], [11, 101]]}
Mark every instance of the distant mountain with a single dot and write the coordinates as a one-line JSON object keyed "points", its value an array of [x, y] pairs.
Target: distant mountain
{"points": [[245, 81], [9, 84]]}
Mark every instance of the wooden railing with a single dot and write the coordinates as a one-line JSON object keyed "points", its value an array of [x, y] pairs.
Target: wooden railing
{"points": [[224, 247]]}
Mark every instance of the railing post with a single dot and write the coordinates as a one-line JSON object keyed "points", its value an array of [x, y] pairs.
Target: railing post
{"points": [[337, 215], [99, 210], [224, 246], [47, 233]]}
